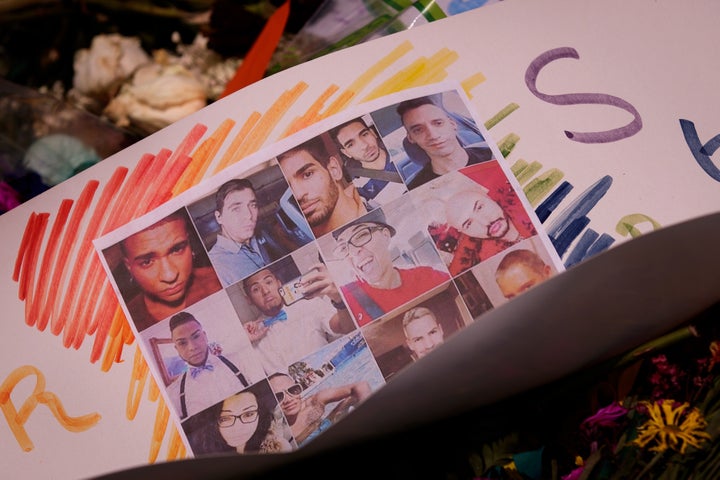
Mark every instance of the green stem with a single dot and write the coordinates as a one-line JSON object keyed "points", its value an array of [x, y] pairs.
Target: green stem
{"points": [[650, 465], [12, 10], [658, 344]]}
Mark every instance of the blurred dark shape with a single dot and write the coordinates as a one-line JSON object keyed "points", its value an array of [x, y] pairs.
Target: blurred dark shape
{"points": [[235, 24], [38, 40], [27, 115]]}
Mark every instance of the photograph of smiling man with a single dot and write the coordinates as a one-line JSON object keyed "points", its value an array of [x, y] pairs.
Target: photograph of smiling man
{"points": [[414, 331], [204, 353], [383, 263]]}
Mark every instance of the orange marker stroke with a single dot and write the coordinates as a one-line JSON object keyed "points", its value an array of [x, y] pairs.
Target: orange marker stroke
{"points": [[312, 114], [24, 245], [340, 103], [30, 272], [87, 266], [62, 308], [124, 208], [40, 311], [16, 419], [36, 230], [176, 448], [161, 423], [170, 178], [190, 141], [113, 349], [107, 301], [203, 156], [104, 314], [175, 165], [237, 142], [153, 391], [267, 123], [118, 340]]}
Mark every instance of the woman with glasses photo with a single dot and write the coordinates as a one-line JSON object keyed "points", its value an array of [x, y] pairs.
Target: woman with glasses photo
{"points": [[242, 423], [306, 416]]}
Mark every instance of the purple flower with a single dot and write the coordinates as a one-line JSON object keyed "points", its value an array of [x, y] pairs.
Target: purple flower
{"points": [[606, 416], [574, 475]]}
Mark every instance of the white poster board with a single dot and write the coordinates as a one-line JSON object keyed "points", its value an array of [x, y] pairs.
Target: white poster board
{"points": [[650, 175]]}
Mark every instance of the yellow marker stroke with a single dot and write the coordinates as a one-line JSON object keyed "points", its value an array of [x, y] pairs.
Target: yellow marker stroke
{"points": [[507, 143], [471, 82], [138, 379], [176, 448], [627, 224], [528, 172], [16, 419], [161, 423], [422, 71], [361, 82], [539, 187], [498, 117]]}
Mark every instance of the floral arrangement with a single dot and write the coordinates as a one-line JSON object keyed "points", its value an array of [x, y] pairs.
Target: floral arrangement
{"points": [[660, 419]]}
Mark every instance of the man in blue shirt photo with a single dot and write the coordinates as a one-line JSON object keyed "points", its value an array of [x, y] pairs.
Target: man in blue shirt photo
{"points": [[238, 251]]}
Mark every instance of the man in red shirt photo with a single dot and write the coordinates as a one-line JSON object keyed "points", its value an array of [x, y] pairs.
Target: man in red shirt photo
{"points": [[379, 285]]}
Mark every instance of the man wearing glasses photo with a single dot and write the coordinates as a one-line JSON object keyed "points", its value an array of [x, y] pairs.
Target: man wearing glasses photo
{"points": [[306, 416], [379, 285]]}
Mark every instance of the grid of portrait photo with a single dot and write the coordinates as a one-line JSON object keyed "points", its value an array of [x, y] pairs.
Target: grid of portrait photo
{"points": [[273, 299]]}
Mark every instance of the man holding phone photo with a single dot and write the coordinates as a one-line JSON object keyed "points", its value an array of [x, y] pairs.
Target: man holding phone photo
{"points": [[289, 329]]}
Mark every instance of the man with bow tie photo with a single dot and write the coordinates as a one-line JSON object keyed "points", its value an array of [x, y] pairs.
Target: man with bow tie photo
{"points": [[284, 334], [209, 377]]}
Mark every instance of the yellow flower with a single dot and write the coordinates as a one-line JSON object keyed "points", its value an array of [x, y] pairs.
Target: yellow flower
{"points": [[510, 466], [672, 427]]}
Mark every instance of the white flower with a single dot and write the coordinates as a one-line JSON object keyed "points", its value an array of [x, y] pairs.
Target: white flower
{"points": [[110, 60], [157, 96]]}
